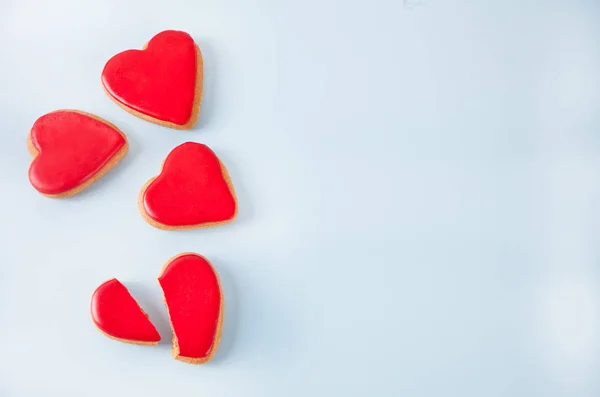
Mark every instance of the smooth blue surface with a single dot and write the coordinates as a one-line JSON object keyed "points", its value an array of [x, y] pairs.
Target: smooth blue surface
{"points": [[419, 191]]}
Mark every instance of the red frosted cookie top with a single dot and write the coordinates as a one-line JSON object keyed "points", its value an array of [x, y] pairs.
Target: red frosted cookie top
{"points": [[117, 314], [72, 148], [193, 297], [191, 189], [159, 81]]}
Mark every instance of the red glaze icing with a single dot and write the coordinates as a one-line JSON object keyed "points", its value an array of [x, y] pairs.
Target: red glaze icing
{"points": [[193, 297], [72, 148], [191, 189], [159, 81], [117, 314]]}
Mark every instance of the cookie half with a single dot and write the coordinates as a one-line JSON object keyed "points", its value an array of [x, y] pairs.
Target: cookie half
{"points": [[194, 299], [116, 313]]}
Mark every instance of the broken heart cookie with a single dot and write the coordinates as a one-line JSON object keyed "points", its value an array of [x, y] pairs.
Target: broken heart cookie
{"points": [[193, 190], [116, 313], [194, 300], [72, 149], [161, 83]]}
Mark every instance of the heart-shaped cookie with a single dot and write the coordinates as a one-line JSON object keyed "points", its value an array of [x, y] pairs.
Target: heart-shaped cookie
{"points": [[161, 83], [193, 190], [194, 299], [71, 150], [116, 313]]}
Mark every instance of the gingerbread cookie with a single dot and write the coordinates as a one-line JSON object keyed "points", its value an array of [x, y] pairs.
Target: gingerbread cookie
{"points": [[116, 313], [194, 299], [193, 190], [71, 150], [161, 83]]}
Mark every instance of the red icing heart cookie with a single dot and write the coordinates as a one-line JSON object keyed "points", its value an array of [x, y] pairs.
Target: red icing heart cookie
{"points": [[193, 190], [161, 83], [117, 315], [194, 299], [72, 149]]}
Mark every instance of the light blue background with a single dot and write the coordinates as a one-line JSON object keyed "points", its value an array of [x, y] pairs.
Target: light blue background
{"points": [[419, 192]]}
